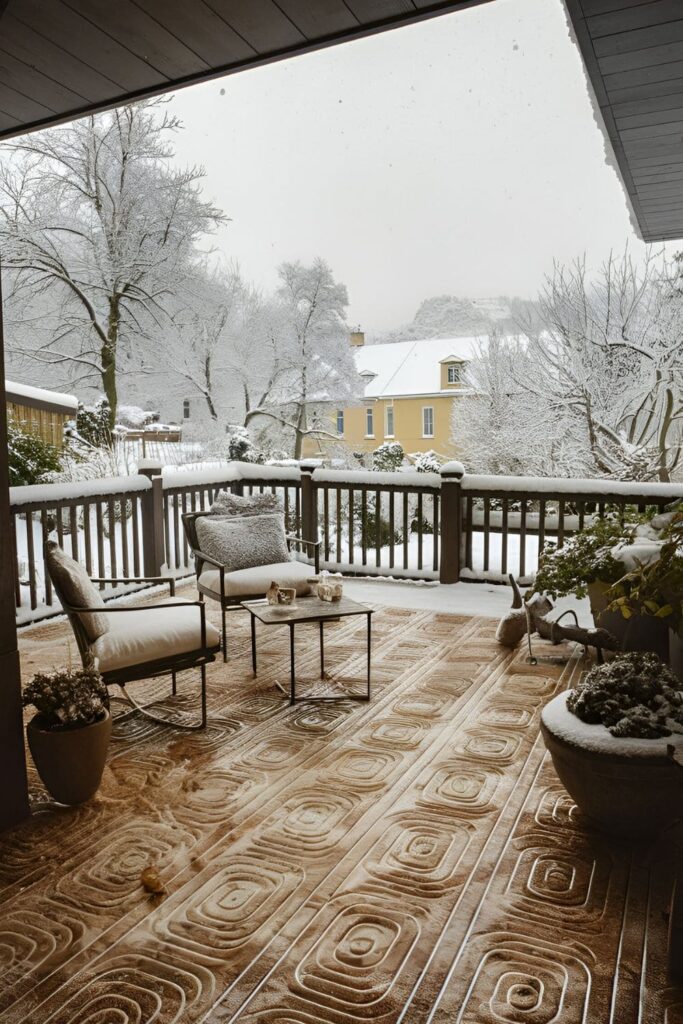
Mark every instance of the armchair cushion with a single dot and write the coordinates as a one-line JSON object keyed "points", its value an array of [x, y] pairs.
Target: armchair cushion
{"points": [[255, 581], [227, 504], [72, 580], [150, 634], [243, 542]]}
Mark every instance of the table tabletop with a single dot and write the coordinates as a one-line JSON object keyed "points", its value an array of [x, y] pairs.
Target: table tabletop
{"points": [[306, 609]]}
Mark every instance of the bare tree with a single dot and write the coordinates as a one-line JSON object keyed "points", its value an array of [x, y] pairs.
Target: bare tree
{"points": [[93, 216]]}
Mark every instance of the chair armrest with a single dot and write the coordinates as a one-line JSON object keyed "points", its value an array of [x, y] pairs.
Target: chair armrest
{"points": [[292, 538], [70, 609], [207, 558], [136, 579]]}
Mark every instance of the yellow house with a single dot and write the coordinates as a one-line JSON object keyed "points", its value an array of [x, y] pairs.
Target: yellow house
{"points": [[410, 387]]}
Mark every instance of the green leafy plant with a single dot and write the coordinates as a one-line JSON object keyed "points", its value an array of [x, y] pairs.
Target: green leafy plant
{"points": [[633, 695], [388, 457], [69, 698], [653, 589], [31, 459], [585, 558]]}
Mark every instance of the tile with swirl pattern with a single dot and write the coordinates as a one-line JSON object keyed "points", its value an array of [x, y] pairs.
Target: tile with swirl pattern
{"points": [[413, 860]]}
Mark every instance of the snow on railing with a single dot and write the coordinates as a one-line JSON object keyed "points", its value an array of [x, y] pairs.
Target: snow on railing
{"points": [[449, 526]]}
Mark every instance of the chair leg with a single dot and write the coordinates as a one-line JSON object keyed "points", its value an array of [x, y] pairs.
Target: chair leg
{"points": [[174, 684], [225, 637], [142, 708]]}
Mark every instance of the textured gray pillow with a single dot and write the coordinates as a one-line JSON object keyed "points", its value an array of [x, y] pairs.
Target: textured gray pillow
{"points": [[242, 542], [78, 590], [227, 504]]}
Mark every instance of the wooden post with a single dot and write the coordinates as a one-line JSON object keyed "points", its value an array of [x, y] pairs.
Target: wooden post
{"points": [[152, 506], [14, 788], [451, 522], [309, 506]]}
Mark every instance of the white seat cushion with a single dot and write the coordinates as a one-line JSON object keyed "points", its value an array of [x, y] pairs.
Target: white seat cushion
{"points": [[149, 634], [254, 582]]}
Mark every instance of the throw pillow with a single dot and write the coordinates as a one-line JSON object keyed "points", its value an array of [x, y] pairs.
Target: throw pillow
{"points": [[227, 504], [242, 542], [72, 580]]}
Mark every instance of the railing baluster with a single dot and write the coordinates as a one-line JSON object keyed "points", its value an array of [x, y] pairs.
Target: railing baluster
{"points": [[560, 524], [46, 575], [297, 512], [326, 522], [99, 524], [176, 532], [73, 529], [378, 528], [364, 525], [582, 514], [339, 525], [186, 550], [123, 505], [136, 534], [167, 529], [420, 527], [351, 525], [406, 528], [468, 532], [487, 531], [504, 537], [30, 550], [391, 529], [522, 537], [87, 539], [111, 516], [541, 526], [17, 583], [436, 531]]}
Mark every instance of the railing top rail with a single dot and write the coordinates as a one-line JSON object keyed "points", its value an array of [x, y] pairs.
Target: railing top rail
{"points": [[410, 480], [50, 495], [229, 472], [554, 487]]}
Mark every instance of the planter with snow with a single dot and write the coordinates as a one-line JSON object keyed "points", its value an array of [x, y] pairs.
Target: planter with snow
{"points": [[616, 764]]}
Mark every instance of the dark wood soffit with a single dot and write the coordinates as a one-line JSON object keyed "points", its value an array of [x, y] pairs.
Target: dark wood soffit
{"points": [[633, 53], [63, 59]]}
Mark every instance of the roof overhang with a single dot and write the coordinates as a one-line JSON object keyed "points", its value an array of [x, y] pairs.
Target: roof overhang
{"points": [[62, 59], [633, 54]]}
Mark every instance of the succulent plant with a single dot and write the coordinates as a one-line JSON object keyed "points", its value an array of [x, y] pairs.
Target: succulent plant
{"points": [[67, 698]]}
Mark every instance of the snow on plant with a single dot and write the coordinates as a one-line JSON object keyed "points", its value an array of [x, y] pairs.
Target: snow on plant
{"points": [[586, 557], [654, 584], [634, 695], [426, 462], [68, 698], [388, 457], [31, 459]]}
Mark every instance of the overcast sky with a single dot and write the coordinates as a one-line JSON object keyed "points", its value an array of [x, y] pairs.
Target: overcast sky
{"points": [[458, 156]]}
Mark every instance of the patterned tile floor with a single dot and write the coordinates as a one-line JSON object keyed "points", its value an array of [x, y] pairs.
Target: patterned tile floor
{"points": [[413, 860]]}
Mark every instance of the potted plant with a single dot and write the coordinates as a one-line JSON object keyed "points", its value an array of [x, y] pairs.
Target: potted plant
{"points": [[609, 738], [649, 596], [69, 735]]}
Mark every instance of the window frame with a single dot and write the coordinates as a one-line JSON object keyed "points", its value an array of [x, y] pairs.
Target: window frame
{"points": [[427, 409], [389, 409], [369, 420], [186, 408], [457, 370], [340, 419]]}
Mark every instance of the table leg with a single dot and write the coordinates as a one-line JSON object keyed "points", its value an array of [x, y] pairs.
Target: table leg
{"points": [[369, 649], [292, 674], [322, 652], [253, 642]]}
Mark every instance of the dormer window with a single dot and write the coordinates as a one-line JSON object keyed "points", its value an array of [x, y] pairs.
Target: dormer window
{"points": [[454, 371]]}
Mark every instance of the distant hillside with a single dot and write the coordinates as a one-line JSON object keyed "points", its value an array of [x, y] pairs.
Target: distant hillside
{"points": [[448, 316]]}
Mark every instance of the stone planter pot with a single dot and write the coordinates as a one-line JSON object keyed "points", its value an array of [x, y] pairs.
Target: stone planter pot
{"points": [[621, 786], [70, 761]]}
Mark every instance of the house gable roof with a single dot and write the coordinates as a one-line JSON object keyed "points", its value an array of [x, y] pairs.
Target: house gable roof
{"points": [[411, 368]]}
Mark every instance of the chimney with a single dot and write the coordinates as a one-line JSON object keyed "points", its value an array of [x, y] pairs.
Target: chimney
{"points": [[357, 338]]}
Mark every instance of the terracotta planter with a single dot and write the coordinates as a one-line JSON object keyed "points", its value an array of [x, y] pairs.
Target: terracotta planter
{"points": [[70, 761], [621, 786]]}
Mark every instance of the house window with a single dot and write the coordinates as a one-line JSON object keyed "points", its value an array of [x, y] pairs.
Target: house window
{"points": [[428, 421], [186, 409], [454, 373], [369, 422], [389, 431], [340, 421]]}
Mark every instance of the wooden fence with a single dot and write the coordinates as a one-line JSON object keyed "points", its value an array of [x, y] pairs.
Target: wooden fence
{"points": [[445, 526]]}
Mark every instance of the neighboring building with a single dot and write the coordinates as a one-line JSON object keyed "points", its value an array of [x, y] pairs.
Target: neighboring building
{"points": [[41, 412], [408, 396]]}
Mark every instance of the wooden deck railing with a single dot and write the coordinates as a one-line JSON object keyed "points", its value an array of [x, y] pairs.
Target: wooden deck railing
{"points": [[446, 526]]}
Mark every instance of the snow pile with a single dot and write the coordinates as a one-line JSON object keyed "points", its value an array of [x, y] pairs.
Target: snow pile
{"points": [[54, 493], [372, 478], [13, 390]]}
